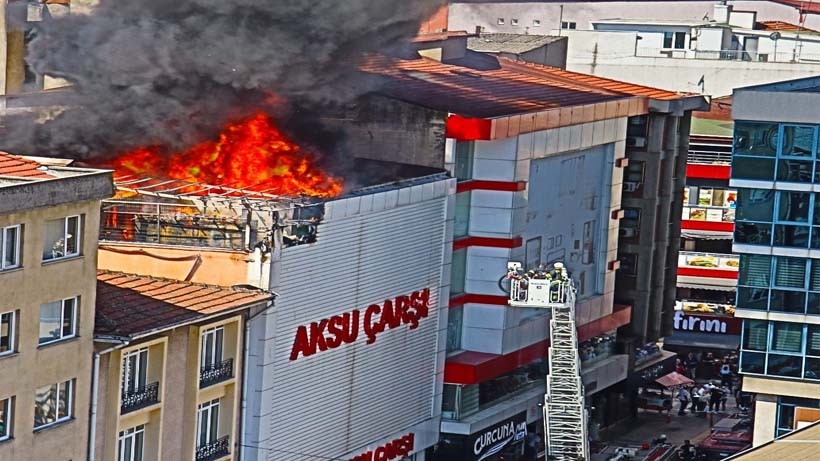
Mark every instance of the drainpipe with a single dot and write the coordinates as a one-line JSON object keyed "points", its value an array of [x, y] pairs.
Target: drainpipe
{"points": [[95, 392], [240, 432]]}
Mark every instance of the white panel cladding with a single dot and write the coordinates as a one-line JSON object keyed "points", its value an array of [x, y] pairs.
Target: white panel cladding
{"points": [[340, 401], [499, 149]]}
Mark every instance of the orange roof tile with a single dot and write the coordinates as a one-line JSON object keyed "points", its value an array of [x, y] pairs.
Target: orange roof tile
{"points": [[486, 86], [13, 165], [130, 305]]}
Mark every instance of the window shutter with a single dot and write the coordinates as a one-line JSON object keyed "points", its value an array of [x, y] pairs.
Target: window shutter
{"points": [[788, 337], [814, 281], [755, 270]]}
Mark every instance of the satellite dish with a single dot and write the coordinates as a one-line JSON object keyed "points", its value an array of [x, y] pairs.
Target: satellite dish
{"points": [[775, 36]]}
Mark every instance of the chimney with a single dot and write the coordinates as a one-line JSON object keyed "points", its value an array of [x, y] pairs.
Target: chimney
{"points": [[722, 12]]}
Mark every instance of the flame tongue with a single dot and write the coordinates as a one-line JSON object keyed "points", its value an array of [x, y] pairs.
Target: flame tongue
{"points": [[250, 154]]}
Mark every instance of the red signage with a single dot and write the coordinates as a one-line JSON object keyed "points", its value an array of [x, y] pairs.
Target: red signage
{"points": [[399, 448], [344, 329]]}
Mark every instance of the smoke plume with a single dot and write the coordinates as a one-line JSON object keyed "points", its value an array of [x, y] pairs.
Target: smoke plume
{"points": [[172, 72]]}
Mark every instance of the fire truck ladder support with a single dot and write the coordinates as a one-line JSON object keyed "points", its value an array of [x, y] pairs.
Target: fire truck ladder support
{"points": [[565, 418]]}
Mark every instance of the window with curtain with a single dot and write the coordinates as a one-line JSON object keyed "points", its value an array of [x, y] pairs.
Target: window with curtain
{"points": [[755, 335], [787, 337], [813, 340], [790, 272], [755, 270]]}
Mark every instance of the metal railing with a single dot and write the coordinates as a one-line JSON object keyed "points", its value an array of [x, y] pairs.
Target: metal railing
{"points": [[217, 449], [140, 398], [789, 56], [709, 157], [216, 373]]}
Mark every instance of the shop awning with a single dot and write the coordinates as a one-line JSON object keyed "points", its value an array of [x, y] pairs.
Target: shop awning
{"points": [[700, 286], [700, 340], [674, 379], [706, 235]]}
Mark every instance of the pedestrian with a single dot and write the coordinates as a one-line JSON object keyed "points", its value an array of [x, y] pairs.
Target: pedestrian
{"points": [[714, 399], [726, 375], [691, 363], [683, 397], [687, 451], [724, 397]]}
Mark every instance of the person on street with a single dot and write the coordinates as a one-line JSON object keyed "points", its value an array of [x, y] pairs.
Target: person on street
{"points": [[726, 375], [687, 452], [691, 363], [724, 391], [683, 397], [714, 399]]}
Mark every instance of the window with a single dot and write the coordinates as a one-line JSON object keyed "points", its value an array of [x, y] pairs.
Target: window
{"points": [[514, 22], [464, 159], [207, 423], [6, 418], [134, 371], [458, 272], [787, 337], [62, 238], [462, 214], [9, 247], [568, 25], [676, 40], [500, 21], [212, 340], [8, 338], [798, 141], [455, 319], [785, 412], [536, 23], [130, 444], [53, 404], [58, 320], [755, 139]]}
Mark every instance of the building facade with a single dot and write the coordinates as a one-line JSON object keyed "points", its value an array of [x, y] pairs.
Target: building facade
{"points": [[169, 365], [48, 221], [773, 170]]}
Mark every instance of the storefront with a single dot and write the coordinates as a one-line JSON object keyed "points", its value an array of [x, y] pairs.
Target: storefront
{"points": [[649, 366], [509, 440], [704, 326]]}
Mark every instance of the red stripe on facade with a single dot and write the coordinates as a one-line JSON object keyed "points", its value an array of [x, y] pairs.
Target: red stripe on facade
{"points": [[492, 242], [708, 225], [499, 186], [462, 299], [713, 273], [475, 367], [705, 171], [468, 129]]}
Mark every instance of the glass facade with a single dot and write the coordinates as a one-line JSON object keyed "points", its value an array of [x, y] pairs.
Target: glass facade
{"points": [[778, 218], [775, 151], [779, 284], [782, 349]]}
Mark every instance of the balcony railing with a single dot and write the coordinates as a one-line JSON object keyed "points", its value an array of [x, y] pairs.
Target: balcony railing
{"points": [[709, 157], [140, 398], [727, 55], [216, 373], [217, 449]]}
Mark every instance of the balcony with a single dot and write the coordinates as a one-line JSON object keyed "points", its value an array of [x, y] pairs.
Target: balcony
{"points": [[141, 398], [219, 448], [217, 373], [708, 270], [726, 55]]}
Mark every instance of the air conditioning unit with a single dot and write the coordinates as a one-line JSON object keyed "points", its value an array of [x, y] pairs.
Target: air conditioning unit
{"points": [[636, 141], [630, 186]]}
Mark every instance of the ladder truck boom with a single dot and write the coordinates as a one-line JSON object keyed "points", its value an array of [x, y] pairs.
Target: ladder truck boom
{"points": [[565, 418]]}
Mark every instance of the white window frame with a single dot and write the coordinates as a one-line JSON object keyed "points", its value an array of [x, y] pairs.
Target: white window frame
{"points": [[73, 333], [206, 409], [7, 432], [132, 434], [514, 21], [4, 231], [138, 368], [56, 402], [500, 21], [12, 332], [78, 237], [212, 352]]}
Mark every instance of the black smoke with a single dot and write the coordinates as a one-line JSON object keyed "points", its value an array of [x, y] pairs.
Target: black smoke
{"points": [[173, 72]]}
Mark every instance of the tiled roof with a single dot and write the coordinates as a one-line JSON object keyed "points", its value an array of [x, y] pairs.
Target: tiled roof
{"points": [[130, 305], [509, 43], [486, 86], [784, 26], [13, 165]]}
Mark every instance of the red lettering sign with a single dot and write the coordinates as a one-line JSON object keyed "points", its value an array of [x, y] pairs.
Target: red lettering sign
{"points": [[399, 448], [344, 329]]}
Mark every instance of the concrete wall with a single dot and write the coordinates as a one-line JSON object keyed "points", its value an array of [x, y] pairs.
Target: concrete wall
{"points": [[784, 106], [466, 15], [25, 290]]}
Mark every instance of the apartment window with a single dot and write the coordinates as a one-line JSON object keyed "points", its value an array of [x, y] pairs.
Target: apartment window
{"points": [[568, 25], [676, 40], [536, 23], [53, 404], [464, 159], [514, 22], [58, 320], [212, 340], [134, 371], [6, 418], [131, 443], [500, 21], [10, 247], [8, 332], [207, 423], [62, 238], [458, 272]]}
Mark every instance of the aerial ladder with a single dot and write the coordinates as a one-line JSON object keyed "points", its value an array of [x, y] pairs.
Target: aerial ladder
{"points": [[565, 418]]}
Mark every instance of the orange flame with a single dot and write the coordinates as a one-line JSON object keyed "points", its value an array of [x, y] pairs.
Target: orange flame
{"points": [[250, 154]]}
